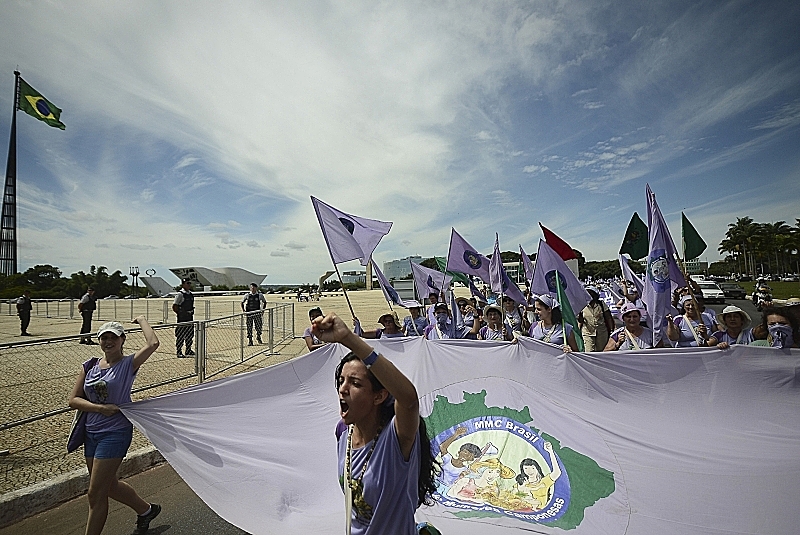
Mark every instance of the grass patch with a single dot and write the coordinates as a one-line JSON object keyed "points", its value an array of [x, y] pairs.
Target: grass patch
{"points": [[780, 290]]}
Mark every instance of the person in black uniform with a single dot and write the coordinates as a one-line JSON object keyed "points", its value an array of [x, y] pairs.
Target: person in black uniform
{"points": [[24, 307], [183, 306], [87, 307], [252, 302]]}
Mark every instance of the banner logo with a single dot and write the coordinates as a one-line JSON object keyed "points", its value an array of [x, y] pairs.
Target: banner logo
{"points": [[525, 480], [495, 465], [658, 270], [472, 259]]}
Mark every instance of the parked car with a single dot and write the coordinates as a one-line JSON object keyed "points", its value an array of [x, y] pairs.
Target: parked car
{"points": [[790, 278], [732, 290], [111, 297], [711, 292]]}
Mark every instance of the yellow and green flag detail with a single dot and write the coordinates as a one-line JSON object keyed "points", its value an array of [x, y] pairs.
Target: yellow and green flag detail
{"points": [[34, 104]]}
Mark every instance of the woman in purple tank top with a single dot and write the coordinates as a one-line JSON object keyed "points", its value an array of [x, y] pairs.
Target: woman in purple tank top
{"points": [[104, 384], [386, 466]]}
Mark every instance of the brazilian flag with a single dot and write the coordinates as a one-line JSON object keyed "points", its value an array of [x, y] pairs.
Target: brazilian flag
{"points": [[34, 104]]}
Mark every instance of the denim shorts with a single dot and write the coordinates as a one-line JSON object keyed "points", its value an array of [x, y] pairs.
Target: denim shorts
{"points": [[108, 444]]}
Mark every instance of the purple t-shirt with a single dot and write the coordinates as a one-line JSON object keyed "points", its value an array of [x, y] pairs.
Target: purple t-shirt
{"points": [[556, 333], [745, 337], [686, 338], [112, 385], [390, 484]]}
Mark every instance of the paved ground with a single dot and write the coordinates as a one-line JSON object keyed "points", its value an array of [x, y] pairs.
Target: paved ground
{"points": [[183, 512]]}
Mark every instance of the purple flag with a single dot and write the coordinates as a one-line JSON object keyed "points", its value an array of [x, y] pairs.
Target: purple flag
{"points": [[549, 265], [663, 272], [474, 291], [500, 281], [349, 237], [429, 280], [629, 275], [389, 292], [463, 258], [527, 264]]}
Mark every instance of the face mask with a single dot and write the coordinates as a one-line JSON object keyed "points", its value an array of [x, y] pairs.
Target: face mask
{"points": [[781, 336], [441, 318]]}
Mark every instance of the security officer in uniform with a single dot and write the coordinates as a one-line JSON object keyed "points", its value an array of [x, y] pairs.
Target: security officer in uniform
{"points": [[252, 302], [87, 306], [24, 307], [183, 306]]}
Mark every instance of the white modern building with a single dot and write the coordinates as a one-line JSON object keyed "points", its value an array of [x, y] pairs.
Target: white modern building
{"points": [[226, 276], [399, 269]]}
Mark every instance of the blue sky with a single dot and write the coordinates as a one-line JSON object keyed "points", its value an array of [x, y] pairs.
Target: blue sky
{"points": [[196, 131]]}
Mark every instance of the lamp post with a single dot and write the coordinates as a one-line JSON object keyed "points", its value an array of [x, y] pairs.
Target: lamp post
{"points": [[134, 272]]}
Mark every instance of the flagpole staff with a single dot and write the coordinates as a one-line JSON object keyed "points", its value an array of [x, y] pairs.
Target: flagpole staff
{"points": [[346, 297]]}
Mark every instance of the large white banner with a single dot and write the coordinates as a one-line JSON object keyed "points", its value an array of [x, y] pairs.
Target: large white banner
{"points": [[658, 441]]}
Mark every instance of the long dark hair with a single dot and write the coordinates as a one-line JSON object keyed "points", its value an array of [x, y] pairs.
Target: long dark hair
{"points": [[428, 467], [555, 312], [522, 477]]}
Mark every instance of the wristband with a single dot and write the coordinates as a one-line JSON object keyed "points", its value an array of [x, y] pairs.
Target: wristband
{"points": [[370, 360]]}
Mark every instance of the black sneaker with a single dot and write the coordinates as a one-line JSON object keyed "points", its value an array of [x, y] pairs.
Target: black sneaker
{"points": [[143, 521], [189, 353], [179, 355], [259, 340]]}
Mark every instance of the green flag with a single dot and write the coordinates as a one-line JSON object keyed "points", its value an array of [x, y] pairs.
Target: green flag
{"points": [[567, 315], [441, 263], [34, 104], [693, 244], [635, 241]]}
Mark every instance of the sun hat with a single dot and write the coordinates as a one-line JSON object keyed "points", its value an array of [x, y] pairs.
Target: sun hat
{"points": [[392, 316], [629, 307], [496, 308], [111, 327], [547, 301], [731, 309]]}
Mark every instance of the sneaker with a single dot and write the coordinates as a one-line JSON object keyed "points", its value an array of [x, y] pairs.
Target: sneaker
{"points": [[26, 334], [259, 340], [180, 355], [189, 353], [143, 521]]}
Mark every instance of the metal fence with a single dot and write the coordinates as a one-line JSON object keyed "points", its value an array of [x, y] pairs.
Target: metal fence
{"points": [[37, 377], [155, 309]]}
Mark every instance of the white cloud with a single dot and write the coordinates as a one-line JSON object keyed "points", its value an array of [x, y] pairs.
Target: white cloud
{"points": [[279, 253], [294, 245]]}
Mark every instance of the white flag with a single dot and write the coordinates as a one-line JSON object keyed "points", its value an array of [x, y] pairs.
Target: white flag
{"points": [[349, 237]]}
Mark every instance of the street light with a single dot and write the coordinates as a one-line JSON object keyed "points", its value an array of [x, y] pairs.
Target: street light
{"points": [[134, 272]]}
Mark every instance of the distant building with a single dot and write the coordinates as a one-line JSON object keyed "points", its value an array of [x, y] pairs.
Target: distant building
{"points": [[227, 276], [400, 269], [354, 277], [696, 267]]}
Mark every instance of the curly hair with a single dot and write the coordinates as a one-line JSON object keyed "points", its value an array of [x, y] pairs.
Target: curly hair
{"points": [[428, 466]]}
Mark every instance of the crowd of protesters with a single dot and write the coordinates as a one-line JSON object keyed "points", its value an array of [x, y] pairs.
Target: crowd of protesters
{"points": [[541, 318]]}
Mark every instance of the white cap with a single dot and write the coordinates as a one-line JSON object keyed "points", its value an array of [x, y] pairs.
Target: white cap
{"points": [[111, 327]]}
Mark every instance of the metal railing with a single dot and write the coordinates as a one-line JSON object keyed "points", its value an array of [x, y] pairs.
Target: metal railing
{"points": [[157, 310], [37, 377]]}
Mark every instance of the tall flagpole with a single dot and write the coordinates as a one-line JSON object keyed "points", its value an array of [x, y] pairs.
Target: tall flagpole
{"points": [[8, 226]]}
